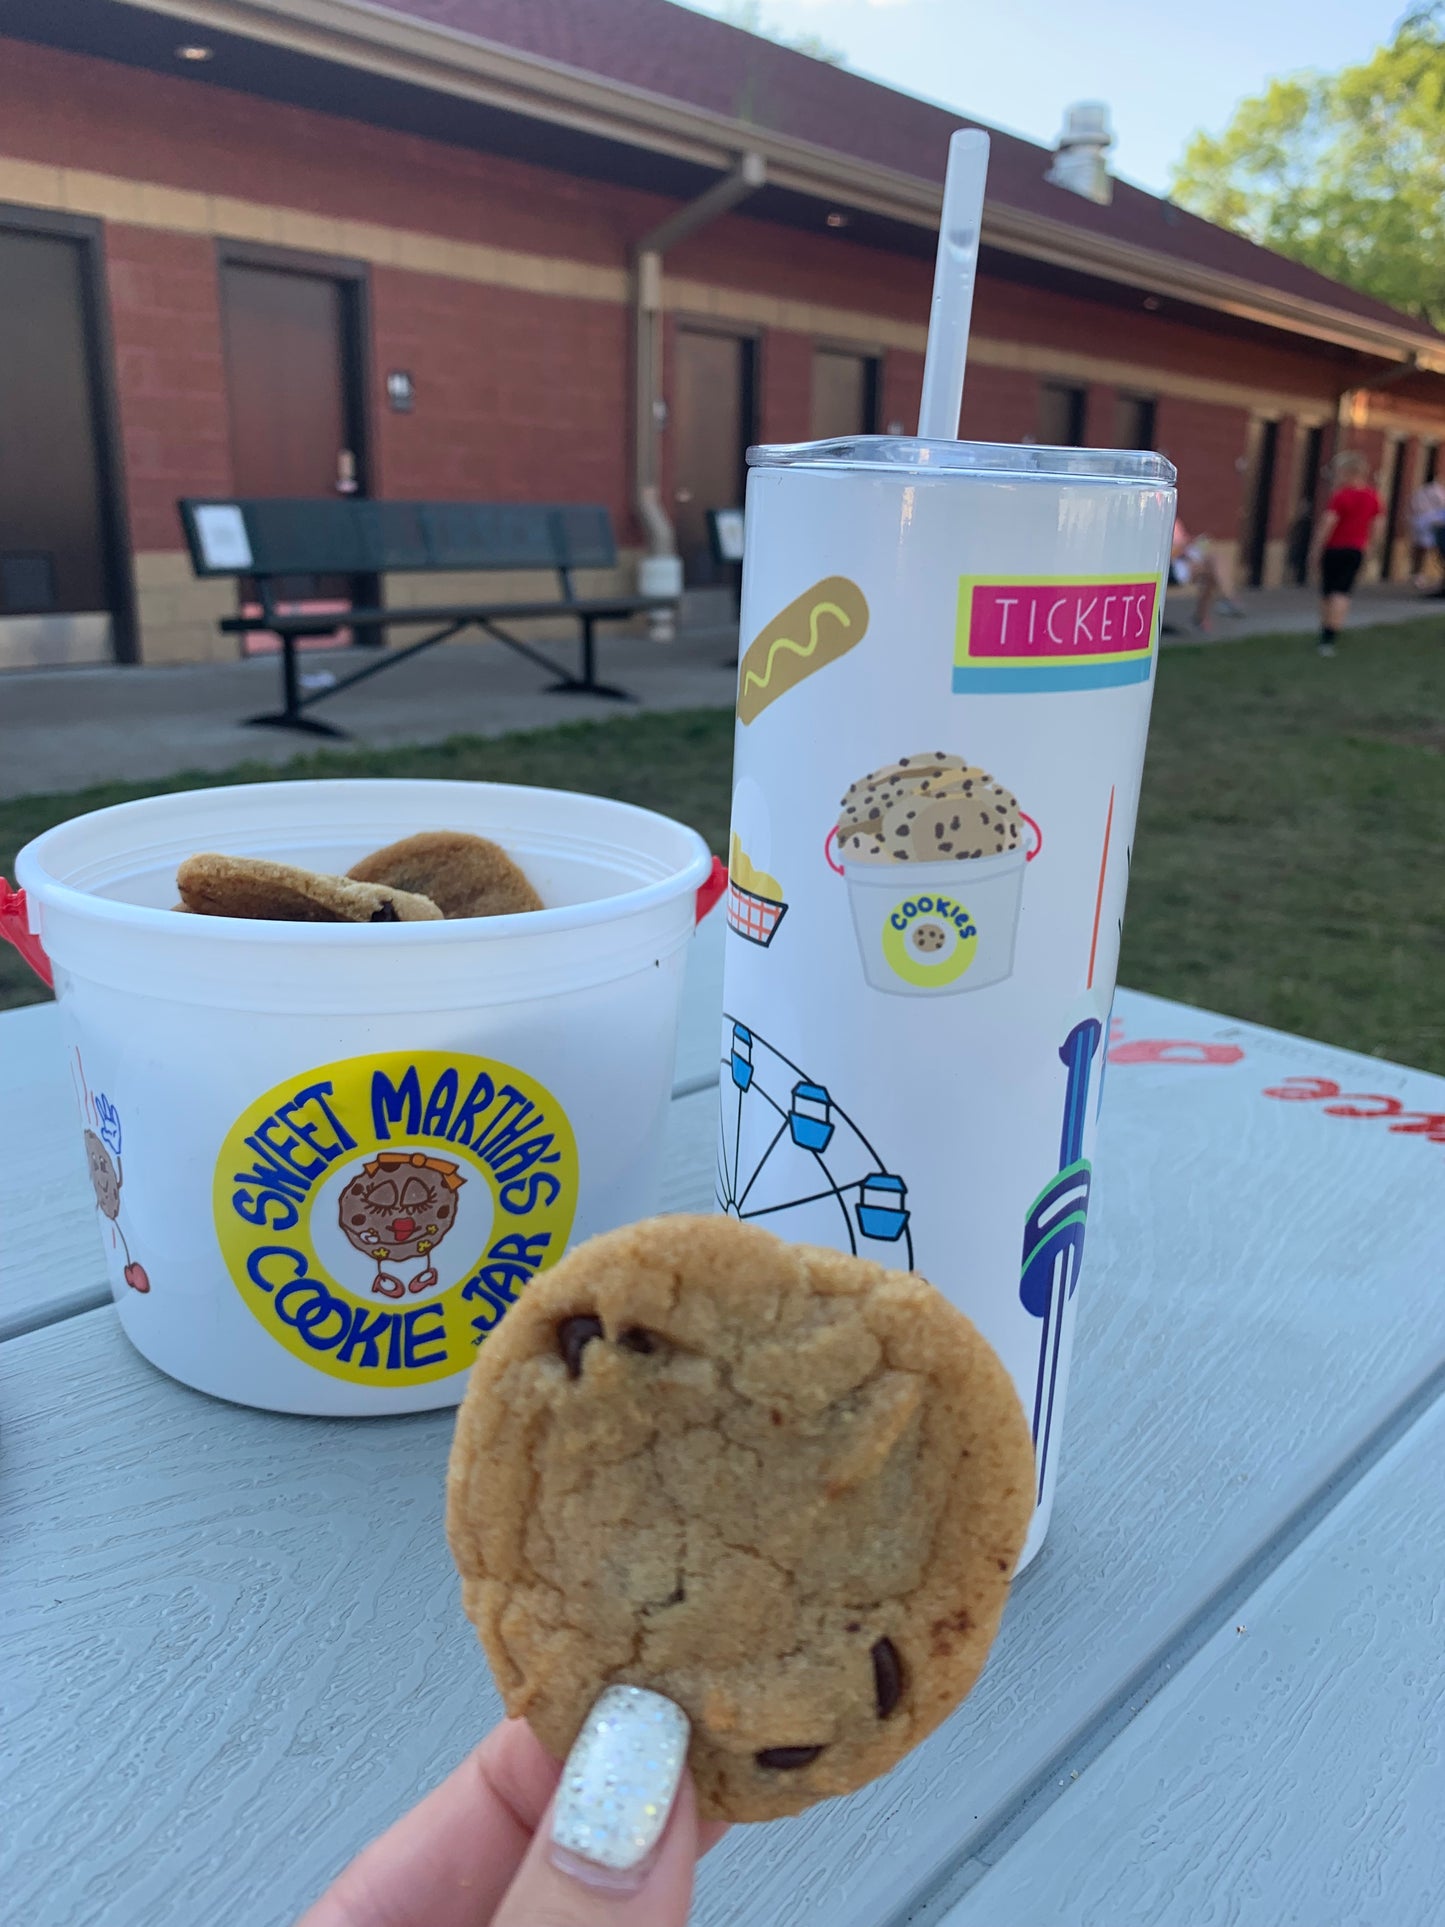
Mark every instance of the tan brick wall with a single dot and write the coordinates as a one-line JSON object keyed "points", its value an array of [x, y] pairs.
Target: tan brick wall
{"points": [[177, 615]]}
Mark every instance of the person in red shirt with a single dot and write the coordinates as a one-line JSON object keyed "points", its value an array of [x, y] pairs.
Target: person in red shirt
{"points": [[1344, 535]]}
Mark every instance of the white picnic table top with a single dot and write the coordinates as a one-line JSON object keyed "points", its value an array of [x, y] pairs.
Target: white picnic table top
{"points": [[232, 1649]]}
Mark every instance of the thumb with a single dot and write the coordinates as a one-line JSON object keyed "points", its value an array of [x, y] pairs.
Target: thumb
{"points": [[619, 1844]]}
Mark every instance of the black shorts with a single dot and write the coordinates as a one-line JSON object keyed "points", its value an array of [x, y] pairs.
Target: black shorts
{"points": [[1338, 569]]}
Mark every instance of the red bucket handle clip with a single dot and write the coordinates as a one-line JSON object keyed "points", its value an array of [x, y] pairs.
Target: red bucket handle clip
{"points": [[15, 928], [710, 891]]}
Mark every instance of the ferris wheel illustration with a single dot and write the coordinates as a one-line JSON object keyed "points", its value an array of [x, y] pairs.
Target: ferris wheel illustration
{"points": [[790, 1157]]}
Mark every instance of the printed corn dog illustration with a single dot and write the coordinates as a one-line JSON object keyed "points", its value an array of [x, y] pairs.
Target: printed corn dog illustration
{"points": [[816, 628]]}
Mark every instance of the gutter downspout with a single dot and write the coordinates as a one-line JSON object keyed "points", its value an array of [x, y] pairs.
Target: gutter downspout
{"points": [[650, 411]]}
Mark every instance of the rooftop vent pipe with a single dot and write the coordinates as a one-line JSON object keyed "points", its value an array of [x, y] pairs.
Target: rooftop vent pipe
{"points": [[1081, 153]]}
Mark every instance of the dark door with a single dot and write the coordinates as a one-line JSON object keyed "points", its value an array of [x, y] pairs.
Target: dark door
{"points": [[845, 395], [56, 560], [712, 415], [1258, 488], [1061, 414], [1390, 527], [1134, 421], [292, 357], [1307, 485]]}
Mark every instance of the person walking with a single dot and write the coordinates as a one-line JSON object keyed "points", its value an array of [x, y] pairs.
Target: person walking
{"points": [[1344, 534]]}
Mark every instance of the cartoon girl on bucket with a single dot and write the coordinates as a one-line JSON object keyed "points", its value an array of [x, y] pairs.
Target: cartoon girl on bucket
{"points": [[397, 1209]]}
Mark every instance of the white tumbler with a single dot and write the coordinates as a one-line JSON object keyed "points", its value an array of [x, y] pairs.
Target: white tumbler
{"points": [[943, 697]]}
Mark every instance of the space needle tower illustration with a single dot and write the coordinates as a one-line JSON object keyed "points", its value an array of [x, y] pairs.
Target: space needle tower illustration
{"points": [[1054, 1234]]}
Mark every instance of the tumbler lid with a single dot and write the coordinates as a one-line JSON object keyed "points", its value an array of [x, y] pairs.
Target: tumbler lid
{"points": [[908, 454]]}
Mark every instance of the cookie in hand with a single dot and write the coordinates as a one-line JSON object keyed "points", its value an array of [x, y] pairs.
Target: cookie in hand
{"points": [[781, 1485]]}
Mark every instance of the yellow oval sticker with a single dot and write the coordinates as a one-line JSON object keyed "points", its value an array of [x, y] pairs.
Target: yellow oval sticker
{"points": [[381, 1214]]}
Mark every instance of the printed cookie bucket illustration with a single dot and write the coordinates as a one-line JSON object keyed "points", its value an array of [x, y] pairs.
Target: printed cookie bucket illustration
{"points": [[934, 851]]}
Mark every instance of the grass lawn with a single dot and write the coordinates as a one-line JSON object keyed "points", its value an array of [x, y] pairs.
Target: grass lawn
{"points": [[1289, 865]]}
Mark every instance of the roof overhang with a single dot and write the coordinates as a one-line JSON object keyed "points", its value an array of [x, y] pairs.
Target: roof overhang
{"points": [[374, 40]]}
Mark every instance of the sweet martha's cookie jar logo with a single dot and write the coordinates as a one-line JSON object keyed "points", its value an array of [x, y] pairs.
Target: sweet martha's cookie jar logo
{"points": [[379, 1215]]}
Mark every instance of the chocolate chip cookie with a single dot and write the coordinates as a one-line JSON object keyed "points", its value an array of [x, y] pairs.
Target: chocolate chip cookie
{"points": [[464, 875], [246, 886], [783, 1486], [983, 821]]}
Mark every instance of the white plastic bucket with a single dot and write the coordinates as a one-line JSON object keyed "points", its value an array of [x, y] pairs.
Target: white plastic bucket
{"points": [[499, 1086]]}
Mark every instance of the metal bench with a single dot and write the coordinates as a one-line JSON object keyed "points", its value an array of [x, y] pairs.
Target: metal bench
{"points": [[275, 541]]}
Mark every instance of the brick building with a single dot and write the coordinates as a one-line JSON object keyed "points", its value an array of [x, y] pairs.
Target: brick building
{"points": [[577, 250]]}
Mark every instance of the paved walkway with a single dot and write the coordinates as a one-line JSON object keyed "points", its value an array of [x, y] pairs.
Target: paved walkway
{"points": [[64, 729], [1295, 611]]}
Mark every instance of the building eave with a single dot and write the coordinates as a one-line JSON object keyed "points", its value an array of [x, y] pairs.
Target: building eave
{"points": [[374, 39]]}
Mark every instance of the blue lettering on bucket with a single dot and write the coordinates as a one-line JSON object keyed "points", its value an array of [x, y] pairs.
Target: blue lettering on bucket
{"points": [[293, 1147], [329, 1321], [945, 907]]}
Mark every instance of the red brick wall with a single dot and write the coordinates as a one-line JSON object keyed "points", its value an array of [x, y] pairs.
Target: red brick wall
{"points": [[1000, 405], [169, 375], [78, 112], [1370, 442], [1008, 311], [519, 397], [73, 111], [1204, 441], [741, 252], [1099, 430]]}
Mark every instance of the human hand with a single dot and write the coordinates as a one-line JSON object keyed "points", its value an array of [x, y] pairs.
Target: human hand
{"points": [[500, 1844]]}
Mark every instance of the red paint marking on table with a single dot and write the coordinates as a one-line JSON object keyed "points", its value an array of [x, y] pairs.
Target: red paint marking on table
{"points": [[1171, 1050], [1324, 1091], [1367, 1104]]}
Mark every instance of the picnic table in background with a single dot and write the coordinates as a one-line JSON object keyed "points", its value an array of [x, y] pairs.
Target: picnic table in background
{"points": [[276, 544], [233, 1648]]}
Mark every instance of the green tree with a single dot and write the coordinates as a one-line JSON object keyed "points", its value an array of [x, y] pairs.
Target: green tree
{"points": [[1345, 172]]}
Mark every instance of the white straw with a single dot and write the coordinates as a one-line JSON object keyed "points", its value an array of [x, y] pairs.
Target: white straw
{"points": [[953, 278]]}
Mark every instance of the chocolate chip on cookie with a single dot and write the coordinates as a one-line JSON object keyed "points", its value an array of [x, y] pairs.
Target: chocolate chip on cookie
{"points": [[466, 876], [781, 1485], [243, 886]]}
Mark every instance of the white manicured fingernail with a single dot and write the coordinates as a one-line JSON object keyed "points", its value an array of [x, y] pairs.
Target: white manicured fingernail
{"points": [[619, 1783]]}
